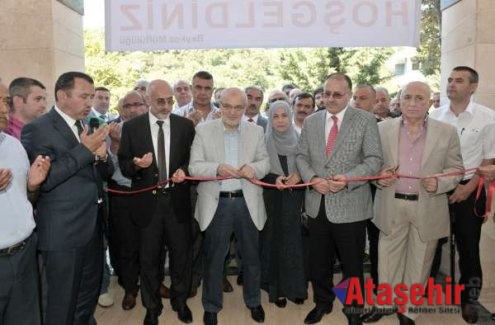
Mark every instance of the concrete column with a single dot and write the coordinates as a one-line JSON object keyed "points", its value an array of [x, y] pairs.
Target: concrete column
{"points": [[39, 39], [468, 38]]}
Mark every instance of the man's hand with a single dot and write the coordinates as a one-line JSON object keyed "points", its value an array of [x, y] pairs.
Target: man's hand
{"points": [[488, 172], [5, 178], [392, 177], [226, 170], [38, 172], [143, 162], [94, 141], [322, 186], [195, 116], [101, 151], [337, 183], [461, 193], [293, 179], [430, 184], [248, 172], [280, 182], [179, 176]]}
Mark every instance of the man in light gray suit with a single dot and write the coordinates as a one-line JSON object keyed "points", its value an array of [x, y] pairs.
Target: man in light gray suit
{"points": [[337, 143], [413, 214], [230, 148]]}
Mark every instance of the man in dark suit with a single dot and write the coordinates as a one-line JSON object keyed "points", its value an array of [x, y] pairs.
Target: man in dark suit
{"points": [[153, 147], [338, 143], [69, 206]]}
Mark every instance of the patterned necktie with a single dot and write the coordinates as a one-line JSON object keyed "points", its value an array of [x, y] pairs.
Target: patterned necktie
{"points": [[79, 127], [162, 162], [332, 135]]}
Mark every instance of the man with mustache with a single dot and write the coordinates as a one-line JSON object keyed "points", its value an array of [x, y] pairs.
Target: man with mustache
{"points": [[255, 99], [303, 106]]}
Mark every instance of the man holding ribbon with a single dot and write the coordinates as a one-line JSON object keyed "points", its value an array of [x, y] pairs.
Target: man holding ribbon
{"points": [[336, 144], [154, 148], [412, 211]]}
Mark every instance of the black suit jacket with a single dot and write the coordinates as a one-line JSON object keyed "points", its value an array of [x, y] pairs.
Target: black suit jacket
{"points": [[135, 142], [68, 202]]}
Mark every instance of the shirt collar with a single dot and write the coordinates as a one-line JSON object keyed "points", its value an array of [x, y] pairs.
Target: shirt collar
{"points": [[340, 115], [69, 120], [153, 119]]}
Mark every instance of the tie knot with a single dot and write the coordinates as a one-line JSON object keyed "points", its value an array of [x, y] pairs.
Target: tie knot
{"points": [[335, 118], [160, 123], [250, 120], [103, 116], [79, 127]]}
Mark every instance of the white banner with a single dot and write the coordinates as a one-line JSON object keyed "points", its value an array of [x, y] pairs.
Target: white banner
{"points": [[199, 24]]}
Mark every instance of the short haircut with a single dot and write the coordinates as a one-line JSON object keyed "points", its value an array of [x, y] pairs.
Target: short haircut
{"points": [[473, 78], [203, 75], [385, 90], [101, 88], [21, 87], [66, 81], [258, 88], [339, 75], [366, 86], [303, 96], [288, 86], [317, 91]]}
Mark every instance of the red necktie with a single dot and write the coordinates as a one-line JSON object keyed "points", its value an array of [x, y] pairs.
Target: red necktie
{"points": [[332, 135]]}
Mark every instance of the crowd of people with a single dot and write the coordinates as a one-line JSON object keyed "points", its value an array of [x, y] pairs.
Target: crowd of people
{"points": [[187, 175]]}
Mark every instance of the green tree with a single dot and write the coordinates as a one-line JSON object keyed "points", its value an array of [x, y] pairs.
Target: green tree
{"points": [[429, 51]]}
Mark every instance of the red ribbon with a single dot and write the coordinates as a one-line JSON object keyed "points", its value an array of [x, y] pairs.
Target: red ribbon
{"points": [[269, 185], [489, 196]]}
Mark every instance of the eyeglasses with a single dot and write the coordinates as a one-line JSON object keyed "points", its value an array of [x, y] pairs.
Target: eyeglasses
{"points": [[273, 100], [163, 101], [142, 88], [335, 95], [228, 107], [135, 104]]}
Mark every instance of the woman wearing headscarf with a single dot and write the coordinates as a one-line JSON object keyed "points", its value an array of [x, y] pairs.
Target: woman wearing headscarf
{"points": [[282, 262]]}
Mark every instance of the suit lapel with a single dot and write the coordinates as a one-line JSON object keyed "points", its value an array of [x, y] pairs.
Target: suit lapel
{"points": [[174, 141], [63, 128], [145, 130], [218, 143]]}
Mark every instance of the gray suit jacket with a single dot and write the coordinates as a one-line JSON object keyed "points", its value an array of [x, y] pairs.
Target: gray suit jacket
{"points": [[357, 152], [207, 152], [442, 153]]}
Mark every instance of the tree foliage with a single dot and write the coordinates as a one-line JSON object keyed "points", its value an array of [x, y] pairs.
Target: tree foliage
{"points": [[430, 38]]}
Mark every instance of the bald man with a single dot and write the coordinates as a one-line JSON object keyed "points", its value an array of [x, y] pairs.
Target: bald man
{"points": [[154, 147]]}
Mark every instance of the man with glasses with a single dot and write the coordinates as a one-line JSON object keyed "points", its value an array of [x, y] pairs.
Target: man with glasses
{"points": [[182, 93], [228, 147], [124, 252], [341, 142], [154, 147], [201, 108]]}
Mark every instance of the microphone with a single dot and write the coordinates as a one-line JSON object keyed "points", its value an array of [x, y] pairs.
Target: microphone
{"points": [[94, 123]]}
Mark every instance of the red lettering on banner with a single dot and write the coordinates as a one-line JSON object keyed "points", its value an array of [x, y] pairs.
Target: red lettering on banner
{"points": [[417, 292], [435, 291], [250, 14], [176, 14], [401, 297], [384, 294], [334, 8], [354, 293], [399, 12], [277, 13], [372, 11], [298, 18], [127, 11], [222, 18], [368, 290], [151, 20]]}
